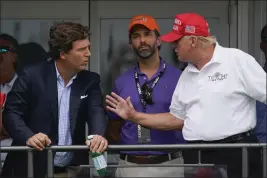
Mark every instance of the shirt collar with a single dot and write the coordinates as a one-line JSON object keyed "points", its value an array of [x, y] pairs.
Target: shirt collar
{"points": [[215, 59], [59, 76], [161, 67], [11, 82]]}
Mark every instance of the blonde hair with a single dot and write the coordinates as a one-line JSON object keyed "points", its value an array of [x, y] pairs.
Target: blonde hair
{"points": [[205, 41]]}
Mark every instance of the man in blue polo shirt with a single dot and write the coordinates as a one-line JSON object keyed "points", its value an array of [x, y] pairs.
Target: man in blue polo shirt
{"points": [[150, 84]]}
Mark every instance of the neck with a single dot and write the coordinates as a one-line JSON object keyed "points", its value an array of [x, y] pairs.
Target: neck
{"points": [[7, 78], [64, 72], [204, 56], [149, 66]]}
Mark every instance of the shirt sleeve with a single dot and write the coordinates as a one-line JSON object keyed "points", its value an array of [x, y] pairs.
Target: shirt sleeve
{"points": [[253, 77], [177, 108], [112, 115]]}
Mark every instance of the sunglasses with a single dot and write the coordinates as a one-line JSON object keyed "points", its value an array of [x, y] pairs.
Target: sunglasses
{"points": [[5, 49], [147, 94]]}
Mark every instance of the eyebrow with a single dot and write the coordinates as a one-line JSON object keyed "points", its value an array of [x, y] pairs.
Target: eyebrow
{"points": [[84, 47]]}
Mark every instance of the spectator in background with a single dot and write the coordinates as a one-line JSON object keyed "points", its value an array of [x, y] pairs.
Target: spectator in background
{"points": [[31, 53], [155, 80], [260, 129], [9, 67]]}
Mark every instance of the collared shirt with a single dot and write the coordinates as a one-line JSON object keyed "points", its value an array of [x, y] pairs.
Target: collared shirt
{"points": [[8, 86], [219, 100], [125, 86], [62, 159]]}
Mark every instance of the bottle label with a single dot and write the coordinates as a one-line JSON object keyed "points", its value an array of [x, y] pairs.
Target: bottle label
{"points": [[100, 162]]}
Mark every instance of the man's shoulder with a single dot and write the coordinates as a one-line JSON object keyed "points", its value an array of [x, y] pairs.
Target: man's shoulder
{"points": [[125, 76], [88, 75], [236, 55], [36, 69], [172, 69]]}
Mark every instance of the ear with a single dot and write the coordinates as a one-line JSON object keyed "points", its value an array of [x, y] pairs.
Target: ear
{"points": [[194, 42], [158, 41], [62, 55]]}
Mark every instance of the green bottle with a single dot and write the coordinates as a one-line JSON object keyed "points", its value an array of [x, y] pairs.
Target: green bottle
{"points": [[99, 161]]}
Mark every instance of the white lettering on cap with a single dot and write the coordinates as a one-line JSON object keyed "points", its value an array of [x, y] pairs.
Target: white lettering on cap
{"points": [[178, 22], [175, 27]]}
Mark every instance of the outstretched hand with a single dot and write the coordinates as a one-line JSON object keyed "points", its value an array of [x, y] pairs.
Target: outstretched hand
{"points": [[120, 106]]}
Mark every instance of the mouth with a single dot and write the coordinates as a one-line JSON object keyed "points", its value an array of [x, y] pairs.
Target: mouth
{"points": [[144, 48]]}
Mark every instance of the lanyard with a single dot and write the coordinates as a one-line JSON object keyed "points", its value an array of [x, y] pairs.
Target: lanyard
{"points": [[155, 81], [144, 133]]}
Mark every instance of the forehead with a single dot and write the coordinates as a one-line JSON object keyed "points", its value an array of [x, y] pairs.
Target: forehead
{"points": [[5, 43], [139, 29], [80, 43]]}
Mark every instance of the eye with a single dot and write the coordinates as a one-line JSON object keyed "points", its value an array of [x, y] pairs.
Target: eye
{"points": [[148, 33]]}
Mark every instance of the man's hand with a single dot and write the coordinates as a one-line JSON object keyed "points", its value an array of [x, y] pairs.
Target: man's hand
{"points": [[121, 107], [98, 144], [39, 141]]}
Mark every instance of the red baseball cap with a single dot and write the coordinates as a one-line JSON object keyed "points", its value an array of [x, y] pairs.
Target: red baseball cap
{"points": [[187, 24]]}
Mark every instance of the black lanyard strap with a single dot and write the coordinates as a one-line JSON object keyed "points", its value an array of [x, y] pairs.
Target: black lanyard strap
{"points": [[143, 134], [138, 86]]}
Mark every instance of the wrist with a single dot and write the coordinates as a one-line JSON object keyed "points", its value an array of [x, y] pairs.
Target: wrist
{"points": [[134, 116]]}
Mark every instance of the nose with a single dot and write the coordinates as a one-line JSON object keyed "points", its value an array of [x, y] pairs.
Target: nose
{"points": [[142, 39], [88, 52]]}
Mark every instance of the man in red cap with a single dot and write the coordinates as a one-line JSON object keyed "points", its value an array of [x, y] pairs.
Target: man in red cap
{"points": [[214, 100], [150, 83]]}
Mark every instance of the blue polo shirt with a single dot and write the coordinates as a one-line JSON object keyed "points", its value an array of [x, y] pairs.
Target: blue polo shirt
{"points": [[125, 86]]}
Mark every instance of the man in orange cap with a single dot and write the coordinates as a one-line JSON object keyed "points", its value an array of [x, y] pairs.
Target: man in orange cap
{"points": [[150, 84], [214, 100]]}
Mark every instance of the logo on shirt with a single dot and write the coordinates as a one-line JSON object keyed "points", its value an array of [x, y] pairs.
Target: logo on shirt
{"points": [[217, 77]]}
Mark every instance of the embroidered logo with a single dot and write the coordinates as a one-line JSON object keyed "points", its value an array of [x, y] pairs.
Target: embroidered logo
{"points": [[217, 77], [190, 29]]}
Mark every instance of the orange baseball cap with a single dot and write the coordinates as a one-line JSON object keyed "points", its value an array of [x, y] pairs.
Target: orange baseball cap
{"points": [[146, 20]]}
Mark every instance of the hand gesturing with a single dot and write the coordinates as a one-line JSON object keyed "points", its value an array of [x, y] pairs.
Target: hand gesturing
{"points": [[120, 106]]}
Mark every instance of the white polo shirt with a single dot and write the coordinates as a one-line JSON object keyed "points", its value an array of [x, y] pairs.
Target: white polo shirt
{"points": [[219, 100]]}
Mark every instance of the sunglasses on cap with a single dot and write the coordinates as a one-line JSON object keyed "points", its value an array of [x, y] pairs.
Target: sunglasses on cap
{"points": [[5, 49], [147, 94]]}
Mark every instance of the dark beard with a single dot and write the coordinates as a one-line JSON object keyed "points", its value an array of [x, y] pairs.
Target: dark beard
{"points": [[151, 51]]}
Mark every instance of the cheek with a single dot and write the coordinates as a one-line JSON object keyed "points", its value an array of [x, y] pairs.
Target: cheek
{"points": [[135, 44]]}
